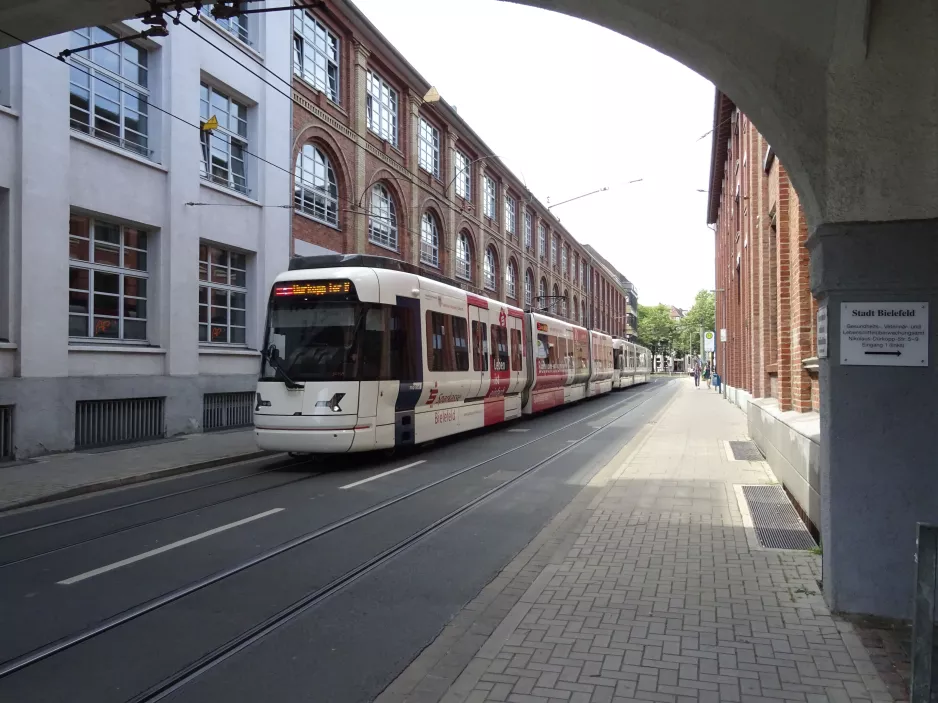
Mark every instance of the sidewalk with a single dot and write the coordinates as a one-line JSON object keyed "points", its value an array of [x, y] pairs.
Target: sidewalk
{"points": [[647, 588], [63, 475]]}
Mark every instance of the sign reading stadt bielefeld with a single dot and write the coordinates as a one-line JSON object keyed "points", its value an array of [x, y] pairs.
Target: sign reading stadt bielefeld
{"points": [[884, 334]]}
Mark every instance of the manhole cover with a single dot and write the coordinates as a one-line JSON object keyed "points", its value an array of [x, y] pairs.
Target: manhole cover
{"points": [[745, 451], [776, 523]]}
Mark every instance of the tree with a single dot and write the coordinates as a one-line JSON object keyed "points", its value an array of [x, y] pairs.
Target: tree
{"points": [[701, 315], [656, 329]]}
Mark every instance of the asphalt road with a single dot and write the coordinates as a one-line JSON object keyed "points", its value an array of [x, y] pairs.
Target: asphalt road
{"points": [[285, 580]]}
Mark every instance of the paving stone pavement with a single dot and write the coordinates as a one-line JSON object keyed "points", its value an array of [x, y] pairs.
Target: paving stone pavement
{"points": [[658, 595]]}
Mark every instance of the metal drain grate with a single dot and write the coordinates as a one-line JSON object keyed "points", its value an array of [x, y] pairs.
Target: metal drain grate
{"points": [[745, 451], [776, 523]]}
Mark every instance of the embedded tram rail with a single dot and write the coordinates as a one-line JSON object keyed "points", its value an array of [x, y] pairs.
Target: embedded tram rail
{"points": [[237, 641]]}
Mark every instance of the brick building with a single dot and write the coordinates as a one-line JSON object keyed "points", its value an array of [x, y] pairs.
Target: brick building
{"points": [[764, 302], [386, 167]]}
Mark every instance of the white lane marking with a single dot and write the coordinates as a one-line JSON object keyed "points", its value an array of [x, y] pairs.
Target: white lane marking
{"points": [[517, 429], [166, 548], [386, 473]]}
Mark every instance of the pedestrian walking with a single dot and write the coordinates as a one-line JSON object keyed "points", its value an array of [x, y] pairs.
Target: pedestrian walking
{"points": [[697, 373], [706, 374]]}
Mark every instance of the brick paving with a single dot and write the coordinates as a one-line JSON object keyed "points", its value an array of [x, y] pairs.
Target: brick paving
{"points": [[656, 593]]}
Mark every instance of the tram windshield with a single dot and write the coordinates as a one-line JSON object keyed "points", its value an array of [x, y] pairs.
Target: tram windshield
{"points": [[323, 340]]}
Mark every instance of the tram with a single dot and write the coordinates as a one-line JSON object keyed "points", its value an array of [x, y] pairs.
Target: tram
{"points": [[363, 353], [632, 364]]}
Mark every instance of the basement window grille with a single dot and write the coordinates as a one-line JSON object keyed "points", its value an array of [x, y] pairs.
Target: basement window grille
{"points": [[6, 432], [101, 423], [221, 411]]}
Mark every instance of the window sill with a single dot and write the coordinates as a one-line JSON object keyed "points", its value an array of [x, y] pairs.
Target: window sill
{"points": [[227, 351], [429, 265], [320, 94], [382, 246], [111, 347], [231, 38], [6, 110], [227, 191], [116, 150], [313, 219], [812, 364], [8, 346]]}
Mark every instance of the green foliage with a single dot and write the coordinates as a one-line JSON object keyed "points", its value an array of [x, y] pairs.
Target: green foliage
{"points": [[701, 315], [656, 329]]}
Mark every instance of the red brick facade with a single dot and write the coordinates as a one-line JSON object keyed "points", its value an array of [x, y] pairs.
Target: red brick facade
{"points": [[763, 298], [361, 160]]}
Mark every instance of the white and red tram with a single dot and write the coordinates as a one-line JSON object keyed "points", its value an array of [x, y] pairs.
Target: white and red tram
{"points": [[363, 353]]}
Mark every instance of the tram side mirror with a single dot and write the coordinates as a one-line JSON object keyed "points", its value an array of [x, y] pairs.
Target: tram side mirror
{"points": [[273, 353]]}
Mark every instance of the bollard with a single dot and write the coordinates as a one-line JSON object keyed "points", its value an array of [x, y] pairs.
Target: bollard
{"points": [[924, 689]]}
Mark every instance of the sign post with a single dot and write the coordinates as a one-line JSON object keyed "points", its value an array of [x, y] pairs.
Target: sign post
{"points": [[884, 334], [709, 340]]}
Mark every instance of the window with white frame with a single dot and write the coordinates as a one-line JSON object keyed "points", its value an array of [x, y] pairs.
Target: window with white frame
{"points": [[528, 229], [236, 25], [576, 268], [381, 108], [576, 310], [542, 293], [223, 148], [490, 269], [553, 251], [563, 303], [382, 226], [315, 189], [223, 289], [463, 257], [316, 54], [511, 280], [584, 278], [489, 199], [462, 176], [542, 240], [107, 280], [528, 288], [510, 214], [564, 260], [428, 148], [429, 240], [109, 90]]}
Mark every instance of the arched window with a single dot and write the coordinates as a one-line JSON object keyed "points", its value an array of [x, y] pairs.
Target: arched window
{"points": [[429, 240], [315, 190], [511, 280], [463, 257], [555, 301], [576, 310], [489, 269], [542, 292], [563, 303], [382, 226], [528, 288]]}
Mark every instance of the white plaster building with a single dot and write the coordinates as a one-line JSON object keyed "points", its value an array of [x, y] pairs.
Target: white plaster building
{"points": [[112, 285]]}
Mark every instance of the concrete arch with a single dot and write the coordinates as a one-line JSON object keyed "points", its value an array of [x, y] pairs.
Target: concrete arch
{"points": [[318, 136], [390, 181]]}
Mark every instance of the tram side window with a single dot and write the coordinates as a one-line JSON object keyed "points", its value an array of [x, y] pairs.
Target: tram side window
{"points": [[480, 347], [581, 351], [402, 352], [499, 348], [447, 343], [517, 353]]}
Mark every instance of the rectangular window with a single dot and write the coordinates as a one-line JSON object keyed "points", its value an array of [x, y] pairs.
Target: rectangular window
{"points": [[517, 351], [510, 215], [316, 54], [542, 240], [553, 252], [499, 348], [107, 280], [222, 295], [447, 342], [564, 261], [528, 230], [108, 88], [236, 25], [462, 176], [428, 148], [223, 148], [489, 200], [480, 347], [381, 108]]}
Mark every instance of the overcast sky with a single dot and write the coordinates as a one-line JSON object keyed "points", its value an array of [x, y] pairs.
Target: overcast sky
{"points": [[573, 107]]}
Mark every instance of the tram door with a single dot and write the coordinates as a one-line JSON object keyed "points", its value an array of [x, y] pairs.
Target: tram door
{"points": [[479, 341]]}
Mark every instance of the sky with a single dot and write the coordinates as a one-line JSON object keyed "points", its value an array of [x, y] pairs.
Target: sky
{"points": [[572, 107]]}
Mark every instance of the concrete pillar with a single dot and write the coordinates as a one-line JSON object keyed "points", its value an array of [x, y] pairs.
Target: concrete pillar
{"points": [[414, 214], [448, 235], [878, 439]]}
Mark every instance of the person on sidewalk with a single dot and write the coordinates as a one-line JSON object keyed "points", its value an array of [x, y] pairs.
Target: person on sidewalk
{"points": [[697, 373], [706, 374]]}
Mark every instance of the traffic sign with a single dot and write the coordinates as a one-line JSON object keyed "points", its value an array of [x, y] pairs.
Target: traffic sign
{"points": [[709, 340]]}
